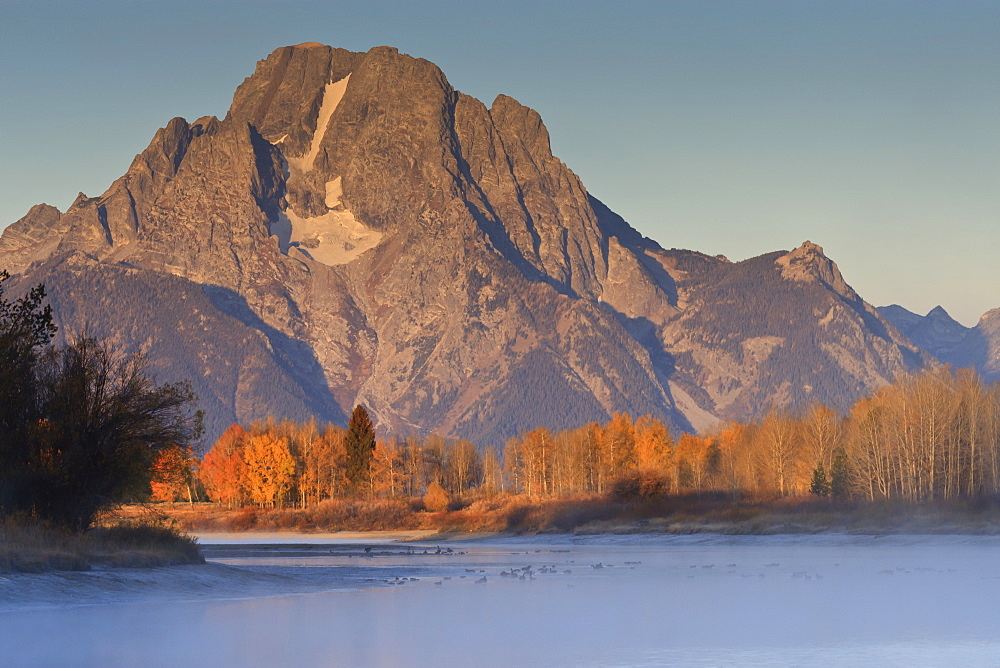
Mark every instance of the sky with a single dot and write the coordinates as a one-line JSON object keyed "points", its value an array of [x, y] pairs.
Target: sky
{"points": [[729, 127]]}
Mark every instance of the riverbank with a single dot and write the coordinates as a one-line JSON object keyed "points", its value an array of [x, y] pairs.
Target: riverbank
{"points": [[676, 515], [27, 547]]}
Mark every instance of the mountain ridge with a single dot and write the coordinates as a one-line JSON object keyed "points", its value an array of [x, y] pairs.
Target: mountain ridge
{"points": [[395, 242], [949, 341]]}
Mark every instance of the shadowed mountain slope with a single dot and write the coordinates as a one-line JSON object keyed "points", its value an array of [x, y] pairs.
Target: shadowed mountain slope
{"points": [[951, 342]]}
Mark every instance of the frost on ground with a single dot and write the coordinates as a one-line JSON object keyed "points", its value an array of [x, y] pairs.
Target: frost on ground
{"points": [[559, 600]]}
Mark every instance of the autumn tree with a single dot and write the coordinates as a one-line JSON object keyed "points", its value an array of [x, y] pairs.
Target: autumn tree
{"points": [[171, 474], [654, 447], [691, 461], [736, 463], [387, 468], [411, 477], [432, 458], [463, 466], [325, 467], [270, 469], [617, 447], [223, 470], [493, 482], [776, 448], [359, 442]]}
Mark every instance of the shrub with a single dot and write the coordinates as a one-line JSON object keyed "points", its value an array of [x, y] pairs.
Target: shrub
{"points": [[638, 485], [436, 499]]}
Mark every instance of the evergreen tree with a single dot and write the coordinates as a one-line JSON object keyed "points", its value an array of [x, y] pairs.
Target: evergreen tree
{"points": [[839, 473], [820, 485], [360, 445]]}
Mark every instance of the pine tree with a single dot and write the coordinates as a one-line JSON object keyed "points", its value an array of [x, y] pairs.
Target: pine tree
{"points": [[839, 472], [360, 444], [820, 485]]}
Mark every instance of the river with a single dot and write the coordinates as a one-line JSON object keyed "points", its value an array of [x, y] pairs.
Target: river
{"points": [[551, 600]]}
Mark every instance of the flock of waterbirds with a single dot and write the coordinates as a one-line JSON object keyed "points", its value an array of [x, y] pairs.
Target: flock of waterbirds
{"points": [[505, 567], [521, 573], [527, 573]]}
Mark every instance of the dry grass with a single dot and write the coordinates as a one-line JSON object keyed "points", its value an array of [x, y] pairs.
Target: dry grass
{"points": [[678, 514], [29, 547], [330, 515]]}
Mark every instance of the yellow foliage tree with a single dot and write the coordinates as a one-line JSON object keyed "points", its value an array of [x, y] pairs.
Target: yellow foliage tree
{"points": [[270, 469], [654, 447]]}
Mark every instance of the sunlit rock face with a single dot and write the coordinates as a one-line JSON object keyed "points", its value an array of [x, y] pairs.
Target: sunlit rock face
{"points": [[375, 236]]}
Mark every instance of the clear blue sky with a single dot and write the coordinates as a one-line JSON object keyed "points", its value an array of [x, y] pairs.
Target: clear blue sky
{"points": [[870, 128]]}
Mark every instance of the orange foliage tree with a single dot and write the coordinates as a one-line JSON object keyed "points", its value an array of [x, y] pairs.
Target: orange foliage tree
{"points": [[171, 474], [654, 447], [270, 469], [223, 469]]}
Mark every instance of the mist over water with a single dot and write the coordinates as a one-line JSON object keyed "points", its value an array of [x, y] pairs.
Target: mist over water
{"points": [[679, 600]]}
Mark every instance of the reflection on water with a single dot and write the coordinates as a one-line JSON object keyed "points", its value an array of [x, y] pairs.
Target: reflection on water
{"points": [[748, 601]]}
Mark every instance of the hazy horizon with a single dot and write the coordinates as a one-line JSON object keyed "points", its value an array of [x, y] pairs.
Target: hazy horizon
{"points": [[725, 127]]}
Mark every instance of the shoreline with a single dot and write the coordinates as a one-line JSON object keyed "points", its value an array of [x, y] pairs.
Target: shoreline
{"points": [[304, 537], [709, 513]]}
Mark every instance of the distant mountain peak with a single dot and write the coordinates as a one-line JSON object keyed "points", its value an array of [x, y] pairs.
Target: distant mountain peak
{"points": [[940, 313]]}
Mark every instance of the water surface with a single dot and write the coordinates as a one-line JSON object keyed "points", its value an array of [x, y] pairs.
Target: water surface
{"points": [[626, 601]]}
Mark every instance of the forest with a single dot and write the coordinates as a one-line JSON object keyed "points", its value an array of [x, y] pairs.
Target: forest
{"points": [[927, 437]]}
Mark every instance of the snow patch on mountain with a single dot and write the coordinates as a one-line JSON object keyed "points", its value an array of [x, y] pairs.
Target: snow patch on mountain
{"points": [[332, 95], [334, 238]]}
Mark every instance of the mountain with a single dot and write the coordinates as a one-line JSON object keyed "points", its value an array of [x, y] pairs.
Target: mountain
{"points": [[356, 230], [950, 341]]}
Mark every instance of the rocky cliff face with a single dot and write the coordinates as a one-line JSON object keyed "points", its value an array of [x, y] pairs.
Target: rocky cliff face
{"points": [[372, 235]]}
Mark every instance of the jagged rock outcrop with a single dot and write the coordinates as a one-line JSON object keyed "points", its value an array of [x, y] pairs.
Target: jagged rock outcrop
{"points": [[365, 233]]}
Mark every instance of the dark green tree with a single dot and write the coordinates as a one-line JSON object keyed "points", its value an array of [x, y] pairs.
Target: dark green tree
{"points": [[359, 442], [820, 485], [26, 328], [840, 471]]}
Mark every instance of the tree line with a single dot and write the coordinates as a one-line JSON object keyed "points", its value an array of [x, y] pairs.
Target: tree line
{"points": [[932, 435]]}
